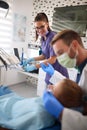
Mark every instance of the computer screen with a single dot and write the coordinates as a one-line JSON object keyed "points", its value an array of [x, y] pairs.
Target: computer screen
{"points": [[16, 53]]}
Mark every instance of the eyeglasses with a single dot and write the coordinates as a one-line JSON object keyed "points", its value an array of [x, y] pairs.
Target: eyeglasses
{"points": [[39, 28]]}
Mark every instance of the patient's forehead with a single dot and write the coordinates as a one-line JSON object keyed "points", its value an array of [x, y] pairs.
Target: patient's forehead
{"points": [[60, 83], [58, 88]]}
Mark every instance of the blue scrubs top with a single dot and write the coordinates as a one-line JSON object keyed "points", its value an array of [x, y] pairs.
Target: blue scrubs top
{"points": [[48, 52]]}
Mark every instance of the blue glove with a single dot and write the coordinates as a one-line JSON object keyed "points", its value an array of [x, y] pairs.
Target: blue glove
{"points": [[29, 68], [52, 105], [25, 62], [47, 68], [5, 90]]}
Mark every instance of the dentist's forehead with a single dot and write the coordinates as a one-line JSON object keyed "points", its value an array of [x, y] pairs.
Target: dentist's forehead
{"points": [[59, 47]]}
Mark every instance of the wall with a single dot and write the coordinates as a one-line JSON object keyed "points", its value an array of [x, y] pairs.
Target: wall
{"points": [[21, 7], [48, 6], [31, 8]]}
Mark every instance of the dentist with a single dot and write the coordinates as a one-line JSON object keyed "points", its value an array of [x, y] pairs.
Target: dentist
{"points": [[70, 52]]}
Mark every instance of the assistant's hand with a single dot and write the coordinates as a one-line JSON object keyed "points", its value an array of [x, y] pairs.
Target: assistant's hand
{"points": [[52, 105], [25, 62], [47, 68], [29, 68]]}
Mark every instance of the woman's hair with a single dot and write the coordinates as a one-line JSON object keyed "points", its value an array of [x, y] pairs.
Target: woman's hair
{"points": [[41, 17], [67, 36], [70, 93]]}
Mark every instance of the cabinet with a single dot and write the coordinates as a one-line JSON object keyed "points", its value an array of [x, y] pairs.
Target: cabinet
{"points": [[41, 85]]}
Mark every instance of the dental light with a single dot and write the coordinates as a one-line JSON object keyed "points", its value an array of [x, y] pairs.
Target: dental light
{"points": [[4, 6]]}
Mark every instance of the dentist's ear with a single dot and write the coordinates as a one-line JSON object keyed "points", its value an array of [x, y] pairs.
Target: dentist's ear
{"points": [[73, 49], [74, 44]]}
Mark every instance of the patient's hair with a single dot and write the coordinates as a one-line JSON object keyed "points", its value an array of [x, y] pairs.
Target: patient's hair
{"points": [[69, 93]]}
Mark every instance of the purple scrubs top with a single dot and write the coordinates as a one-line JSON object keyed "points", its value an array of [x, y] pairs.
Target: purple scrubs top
{"points": [[48, 52]]}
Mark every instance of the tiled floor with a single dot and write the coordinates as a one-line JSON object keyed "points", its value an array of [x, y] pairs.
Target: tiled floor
{"points": [[25, 89]]}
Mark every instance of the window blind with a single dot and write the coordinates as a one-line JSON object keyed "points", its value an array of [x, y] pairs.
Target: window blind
{"points": [[6, 26]]}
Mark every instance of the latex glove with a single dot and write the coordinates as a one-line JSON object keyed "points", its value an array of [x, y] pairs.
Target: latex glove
{"points": [[52, 105], [25, 62], [4, 90], [47, 68], [29, 68]]}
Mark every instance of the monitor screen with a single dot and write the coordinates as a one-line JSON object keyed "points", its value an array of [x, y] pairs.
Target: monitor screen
{"points": [[16, 53]]}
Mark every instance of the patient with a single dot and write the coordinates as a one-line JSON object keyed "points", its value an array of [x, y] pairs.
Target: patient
{"points": [[69, 94], [32, 114]]}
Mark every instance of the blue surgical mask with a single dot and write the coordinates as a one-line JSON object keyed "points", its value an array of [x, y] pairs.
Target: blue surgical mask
{"points": [[66, 61]]}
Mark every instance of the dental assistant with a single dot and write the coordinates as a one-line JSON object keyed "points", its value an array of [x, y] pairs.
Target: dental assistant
{"points": [[42, 29], [69, 48]]}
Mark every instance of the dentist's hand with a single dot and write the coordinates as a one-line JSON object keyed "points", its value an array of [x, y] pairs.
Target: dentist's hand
{"points": [[25, 62], [52, 105], [47, 68], [29, 68]]}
